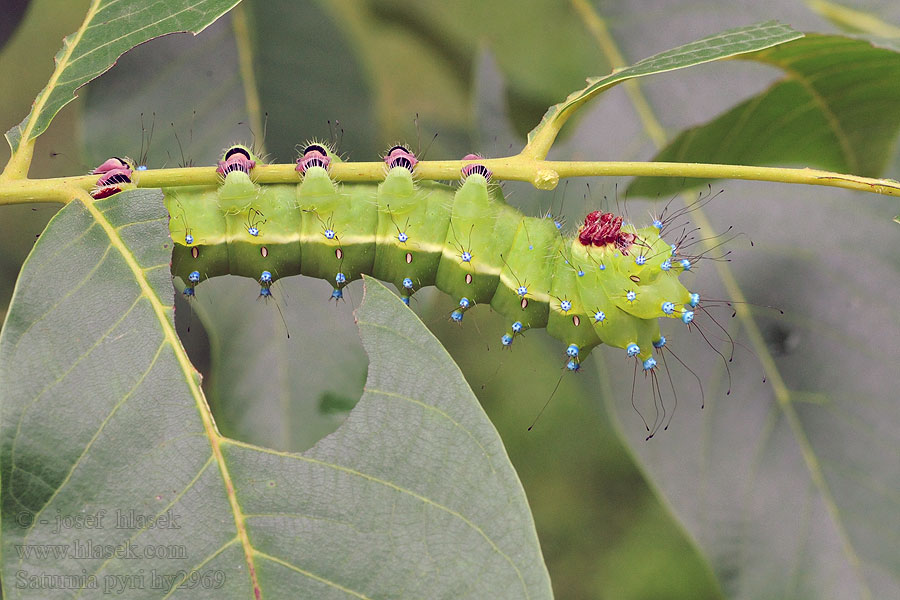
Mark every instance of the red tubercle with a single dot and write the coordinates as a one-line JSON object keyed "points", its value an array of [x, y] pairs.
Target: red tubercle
{"points": [[105, 192], [601, 229]]}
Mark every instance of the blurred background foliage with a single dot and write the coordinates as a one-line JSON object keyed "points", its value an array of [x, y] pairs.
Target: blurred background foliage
{"points": [[365, 74]]}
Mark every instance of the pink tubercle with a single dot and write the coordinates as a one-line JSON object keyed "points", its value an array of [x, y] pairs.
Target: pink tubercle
{"points": [[237, 161], [313, 156], [110, 183], [476, 167], [399, 156], [112, 164]]}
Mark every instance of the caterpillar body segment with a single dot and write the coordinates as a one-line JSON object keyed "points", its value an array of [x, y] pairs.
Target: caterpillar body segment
{"points": [[608, 284], [412, 222], [481, 228], [336, 237]]}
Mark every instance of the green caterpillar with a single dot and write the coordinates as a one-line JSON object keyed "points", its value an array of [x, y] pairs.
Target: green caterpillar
{"points": [[610, 283]]}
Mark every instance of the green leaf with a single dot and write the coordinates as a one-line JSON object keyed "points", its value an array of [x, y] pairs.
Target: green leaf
{"points": [[106, 442], [726, 44], [416, 484], [111, 28], [255, 388], [102, 412], [789, 486], [264, 387], [837, 108]]}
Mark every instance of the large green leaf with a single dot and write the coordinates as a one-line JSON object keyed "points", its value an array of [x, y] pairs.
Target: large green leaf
{"points": [[101, 410], [787, 486], [837, 108], [732, 42], [110, 28], [103, 419], [168, 79], [267, 388]]}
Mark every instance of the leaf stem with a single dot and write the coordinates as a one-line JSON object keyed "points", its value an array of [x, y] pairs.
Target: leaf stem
{"points": [[543, 174]]}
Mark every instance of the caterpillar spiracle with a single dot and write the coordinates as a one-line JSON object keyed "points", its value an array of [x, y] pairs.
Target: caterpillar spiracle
{"points": [[610, 283]]}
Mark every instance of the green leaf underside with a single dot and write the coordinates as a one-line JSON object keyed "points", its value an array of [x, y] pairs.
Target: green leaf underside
{"points": [[111, 28], [837, 108], [732, 42], [413, 494]]}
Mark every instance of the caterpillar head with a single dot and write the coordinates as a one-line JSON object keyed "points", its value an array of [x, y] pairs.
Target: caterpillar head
{"points": [[314, 155], [236, 158], [400, 156]]}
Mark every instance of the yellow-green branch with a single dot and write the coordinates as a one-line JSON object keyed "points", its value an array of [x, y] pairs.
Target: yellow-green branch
{"points": [[542, 174]]}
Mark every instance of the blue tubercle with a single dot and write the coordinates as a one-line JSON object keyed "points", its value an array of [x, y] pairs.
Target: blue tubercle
{"points": [[660, 342], [340, 278], [329, 233], [633, 350], [666, 265], [602, 267], [685, 264], [464, 303], [141, 168], [668, 307], [466, 256], [188, 239], [266, 277], [402, 236], [565, 305], [687, 316], [337, 294], [674, 249], [506, 340], [631, 296], [649, 364], [572, 351], [457, 316], [695, 300], [517, 327], [254, 231], [573, 365], [580, 273], [640, 259], [188, 291], [265, 291], [522, 290], [599, 316], [657, 223], [194, 276], [408, 283], [405, 300]]}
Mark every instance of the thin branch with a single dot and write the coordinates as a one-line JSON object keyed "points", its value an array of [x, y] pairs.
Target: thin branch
{"points": [[540, 173]]}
